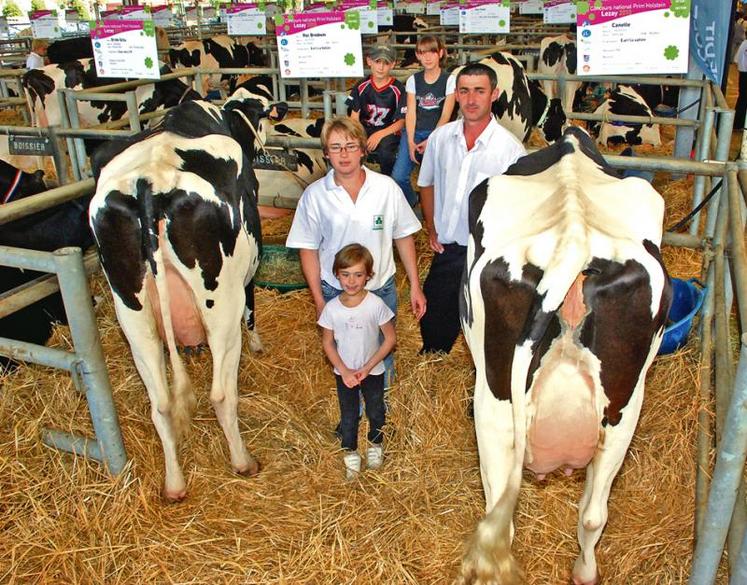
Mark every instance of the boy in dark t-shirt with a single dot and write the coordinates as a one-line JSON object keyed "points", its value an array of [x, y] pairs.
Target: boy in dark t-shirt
{"points": [[379, 103]]}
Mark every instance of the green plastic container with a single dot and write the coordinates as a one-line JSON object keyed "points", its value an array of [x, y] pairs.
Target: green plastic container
{"points": [[279, 269]]}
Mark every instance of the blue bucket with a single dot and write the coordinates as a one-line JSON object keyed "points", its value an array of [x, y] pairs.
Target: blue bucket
{"points": [[687, 299]]}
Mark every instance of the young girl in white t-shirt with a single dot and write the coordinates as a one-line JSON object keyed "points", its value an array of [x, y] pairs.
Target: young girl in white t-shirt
{"points": [[351, 323]]}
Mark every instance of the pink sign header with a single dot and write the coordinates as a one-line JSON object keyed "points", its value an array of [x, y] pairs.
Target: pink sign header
{"points": [[615, 9], [303, 22], [241, 7], [115, 27]]}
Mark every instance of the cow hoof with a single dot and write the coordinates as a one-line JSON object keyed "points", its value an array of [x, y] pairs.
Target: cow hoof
{"points": [[174, 497], [250, 469], [540, 476]]}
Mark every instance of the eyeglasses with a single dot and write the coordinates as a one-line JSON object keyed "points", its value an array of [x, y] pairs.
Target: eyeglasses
{"points": [[338, 148]]}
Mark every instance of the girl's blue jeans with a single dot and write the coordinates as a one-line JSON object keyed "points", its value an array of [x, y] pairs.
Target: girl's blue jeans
{"points": [[403, 165]]}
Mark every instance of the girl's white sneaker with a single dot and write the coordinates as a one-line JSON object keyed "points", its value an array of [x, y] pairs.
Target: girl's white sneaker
{"points": [[352, 464], [374, 456]]}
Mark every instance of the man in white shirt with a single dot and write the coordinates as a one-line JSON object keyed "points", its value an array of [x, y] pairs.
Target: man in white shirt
{"points": [[353, 204], [458, 157]]}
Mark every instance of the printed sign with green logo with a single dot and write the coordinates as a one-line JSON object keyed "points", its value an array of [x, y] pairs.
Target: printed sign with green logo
{"points": [[125, 48]]}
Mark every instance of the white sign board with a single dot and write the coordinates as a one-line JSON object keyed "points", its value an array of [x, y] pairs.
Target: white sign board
{"points": [[449, 15], [384, 14], [559, 11], [125, 48], [412, 6], [531, 7], [134, 13], [433, 8], [162, 16], [368, 16], [246, 19], [484, 16], [321, 44], [46, 24], [634, 37]]}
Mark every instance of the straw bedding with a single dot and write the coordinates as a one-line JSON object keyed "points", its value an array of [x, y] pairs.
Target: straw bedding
{"points": [[63, 520]]}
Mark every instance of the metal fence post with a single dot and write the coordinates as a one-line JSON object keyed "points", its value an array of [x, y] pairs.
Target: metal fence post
{"points": [[132, 111], [87, 345], [69, 141], [726, 477], [60, 164], [80, 148]]}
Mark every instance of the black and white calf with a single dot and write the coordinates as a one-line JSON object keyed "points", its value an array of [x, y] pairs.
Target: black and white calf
{"points": [[564, 307], [558, 57], [626, 101], [48, 230], [219, 51], [41, 87], [176, 223], [311, 162], [522, 104]]}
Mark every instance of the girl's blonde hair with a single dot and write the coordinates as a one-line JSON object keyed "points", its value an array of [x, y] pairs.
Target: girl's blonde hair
{"points": [[347, 126], [37, 44], [433, 44]]}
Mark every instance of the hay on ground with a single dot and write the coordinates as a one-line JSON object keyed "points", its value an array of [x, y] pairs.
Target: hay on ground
{"points": [[298, 522]]}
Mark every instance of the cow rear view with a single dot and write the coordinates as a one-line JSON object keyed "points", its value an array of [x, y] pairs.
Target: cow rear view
{"points": [[564, 306], [176, 223]]}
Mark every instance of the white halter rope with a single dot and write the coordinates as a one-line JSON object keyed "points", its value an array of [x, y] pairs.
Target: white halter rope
{"points": [[13, 185]]}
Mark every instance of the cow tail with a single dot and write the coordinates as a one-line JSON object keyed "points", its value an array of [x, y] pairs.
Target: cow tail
{"points": [[491, 559], [181, 400]]}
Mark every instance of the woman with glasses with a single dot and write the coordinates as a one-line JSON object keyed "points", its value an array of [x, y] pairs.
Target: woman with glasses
{"points": [[353, 204]]}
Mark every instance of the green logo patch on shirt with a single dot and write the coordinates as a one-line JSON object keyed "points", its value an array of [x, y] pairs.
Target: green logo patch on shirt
{"points": [[378, 222]]}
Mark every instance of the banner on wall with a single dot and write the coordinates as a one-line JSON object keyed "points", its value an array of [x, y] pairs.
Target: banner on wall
{"points": [[322, 44], [708, 39], [561, 11], [246, 19], [125, 48], [368, 14], [385, 13], [134, 13], [46, 24], [162, 16], [449, 14], [531, 7], [484, 16], [628, 37]]}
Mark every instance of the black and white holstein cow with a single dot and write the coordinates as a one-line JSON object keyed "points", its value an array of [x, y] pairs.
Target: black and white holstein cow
{"points": [[558, 57], [220, 51], [41, 87], [176, 223], [47, 230], [522, 104], [564, 306], [625, 101]]}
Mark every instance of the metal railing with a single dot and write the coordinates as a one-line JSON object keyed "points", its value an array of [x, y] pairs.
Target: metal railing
{"points": [[86, 361]]}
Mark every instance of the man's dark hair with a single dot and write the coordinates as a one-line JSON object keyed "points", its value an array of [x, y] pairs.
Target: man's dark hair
{"points": [[479, 69]]}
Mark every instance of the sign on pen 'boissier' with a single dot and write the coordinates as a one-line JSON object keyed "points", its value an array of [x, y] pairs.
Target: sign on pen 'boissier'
{"points": [[125, 48], [625, 37], [319, 44]]}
